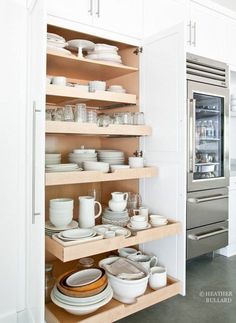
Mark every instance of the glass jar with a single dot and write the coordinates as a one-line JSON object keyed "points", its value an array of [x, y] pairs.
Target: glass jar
{"points": [[49, 282], [139, 118], [92, 116], [68, 114], [85, 263], [80, 113]]}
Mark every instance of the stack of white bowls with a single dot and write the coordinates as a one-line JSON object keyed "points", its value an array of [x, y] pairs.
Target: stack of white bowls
{"points": [[61, 211], [138, 222], [79, 156], [116, 218], [96, 166], [116, 89], [158, 220], [113, 157], [104, 52], [97, 86], [52, 159], [233, 102]]}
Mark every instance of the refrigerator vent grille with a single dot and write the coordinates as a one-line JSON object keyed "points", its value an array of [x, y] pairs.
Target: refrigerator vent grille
{"points": [[207, 72]]}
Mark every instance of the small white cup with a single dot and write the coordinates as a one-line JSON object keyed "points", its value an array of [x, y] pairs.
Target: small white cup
{"points": [[125, 252], [136, 162], [109, 234], [101, 230], [59, 80], [158, 277], [138, 218]]}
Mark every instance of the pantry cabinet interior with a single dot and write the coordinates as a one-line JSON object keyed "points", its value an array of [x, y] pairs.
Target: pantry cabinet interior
{"points": [[63, 137]]}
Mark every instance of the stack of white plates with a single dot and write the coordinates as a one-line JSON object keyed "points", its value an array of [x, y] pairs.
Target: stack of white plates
{"points": [[79, 156], [104, 52], [96, 166], [50, 229], [81, 305], [115, 218], [76, 234], [113, 157], [233, 102], [61, 168], [57, 43], [52, 159]]}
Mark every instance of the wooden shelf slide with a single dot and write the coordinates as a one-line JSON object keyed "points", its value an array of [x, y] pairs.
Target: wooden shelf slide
{"points": [[78, 177], [96, 247], [57, 94], [115, 310], [93, 129], [85, 69]]}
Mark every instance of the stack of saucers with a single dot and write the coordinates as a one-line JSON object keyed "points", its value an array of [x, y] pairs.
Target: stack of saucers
{"points": [[112, 157], [61, 168], [51, 229], [82, 292], [79, 156], [115, 218], [57, 43], [104, 52], [52, 159]]}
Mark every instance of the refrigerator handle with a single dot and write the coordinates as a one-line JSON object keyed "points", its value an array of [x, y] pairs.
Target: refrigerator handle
{"points": [[192, 136], [207, 235], [207, 199]]}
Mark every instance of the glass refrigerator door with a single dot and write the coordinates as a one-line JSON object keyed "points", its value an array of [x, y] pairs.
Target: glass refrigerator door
{"points": [[209, 136]]}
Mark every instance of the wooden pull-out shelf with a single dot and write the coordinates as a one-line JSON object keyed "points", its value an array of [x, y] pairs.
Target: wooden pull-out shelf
{"points": [[79, 177], [57, 94], [93, 248], [85, 69], [115, 310], [93, 129]]}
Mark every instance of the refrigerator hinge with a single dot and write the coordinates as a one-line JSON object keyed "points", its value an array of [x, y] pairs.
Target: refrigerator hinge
{"points": [[138, 50]]}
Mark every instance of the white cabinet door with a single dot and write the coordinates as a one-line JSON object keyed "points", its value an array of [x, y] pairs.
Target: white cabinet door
{"points": [[231, 42], [232, 216], [76, 10], [208, 37], [163, 84], [122, 16], [162, 14]]}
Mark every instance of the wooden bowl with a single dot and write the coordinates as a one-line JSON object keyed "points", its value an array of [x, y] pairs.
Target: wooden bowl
{"points": [[102, 281], [72, 293]]}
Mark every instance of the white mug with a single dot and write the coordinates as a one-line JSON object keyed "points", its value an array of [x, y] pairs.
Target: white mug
{"points": [[125, 252], [136, 162], [145, 260], [158, 277], [87, 214]]}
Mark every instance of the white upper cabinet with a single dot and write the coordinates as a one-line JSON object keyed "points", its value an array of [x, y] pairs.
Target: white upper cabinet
{"points": [[162, 14], [123, 16], [118, 16], [75, 10], [207, 33], [231, 42]]}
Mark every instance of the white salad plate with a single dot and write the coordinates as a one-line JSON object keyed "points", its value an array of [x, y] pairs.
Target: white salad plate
{"points": [[148, 226], [84, 277], [59, 50], [78, 233], [61, 237], [51, 227]]}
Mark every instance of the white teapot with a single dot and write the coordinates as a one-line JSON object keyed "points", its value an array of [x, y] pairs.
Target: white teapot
{"points": [[118, 203]]}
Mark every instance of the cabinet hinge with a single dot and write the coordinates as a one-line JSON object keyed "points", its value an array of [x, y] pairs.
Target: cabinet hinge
{"points": [[138, 50]]}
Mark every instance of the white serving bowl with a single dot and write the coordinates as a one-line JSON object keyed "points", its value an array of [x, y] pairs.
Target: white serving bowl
{"points": [[61, 203], [126, 291]]}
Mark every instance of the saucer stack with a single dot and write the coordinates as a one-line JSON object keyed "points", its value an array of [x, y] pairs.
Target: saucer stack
{"points": [[104, 52], [82, 292], [112, 157], [52, 159], [116, 218], [138, 222], [51, 229], [57, 43], [79, 156]]}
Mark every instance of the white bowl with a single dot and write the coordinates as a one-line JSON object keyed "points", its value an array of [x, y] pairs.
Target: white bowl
{"points": [[60, 221], [61, 203], [126, 291], [138, 225], [84, 151], [138, 218], [157, 217]]}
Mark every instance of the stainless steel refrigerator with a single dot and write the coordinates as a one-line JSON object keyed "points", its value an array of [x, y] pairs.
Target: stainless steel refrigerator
{"points": [[208, 157]]}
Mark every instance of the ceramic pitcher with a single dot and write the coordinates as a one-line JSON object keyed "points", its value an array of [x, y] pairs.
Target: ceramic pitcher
{"points": [[87, 214]]}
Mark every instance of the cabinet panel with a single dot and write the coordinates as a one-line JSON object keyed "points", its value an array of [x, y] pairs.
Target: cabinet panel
{"points": [[231, 42], [208, 33], [76, 10], [123, 16], [232, 216]]}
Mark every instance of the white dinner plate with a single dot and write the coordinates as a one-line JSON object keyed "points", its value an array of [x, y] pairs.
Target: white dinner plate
{"points": [[78, 233], [84, 277], [51, 227]]}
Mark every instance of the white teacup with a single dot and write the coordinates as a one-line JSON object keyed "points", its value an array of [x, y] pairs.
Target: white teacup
{"points": [[59, 80], [109, 234], [125, 252], [136, 162], [158, 277], [145, 260], [138, 218]]}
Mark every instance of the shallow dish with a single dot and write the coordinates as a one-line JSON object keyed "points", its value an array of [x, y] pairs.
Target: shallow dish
{"points": [[148, 226], [78, 233], [84, 277]]}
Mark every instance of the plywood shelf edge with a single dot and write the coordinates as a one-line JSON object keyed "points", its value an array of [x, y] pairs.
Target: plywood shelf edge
{"points": [[79, 251]]}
